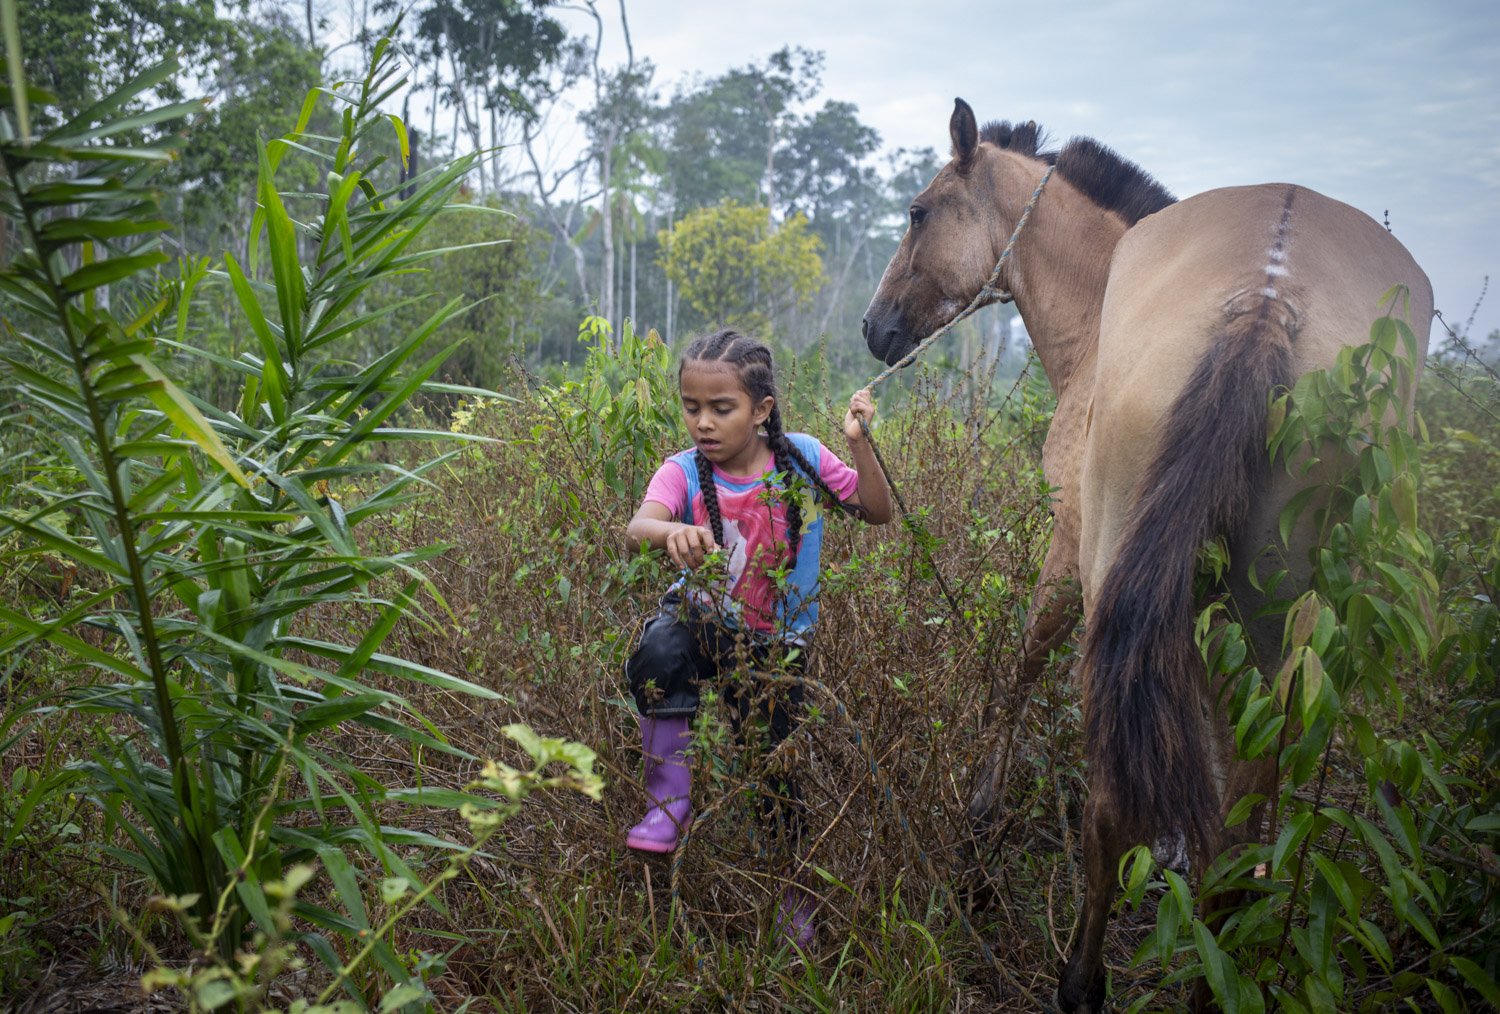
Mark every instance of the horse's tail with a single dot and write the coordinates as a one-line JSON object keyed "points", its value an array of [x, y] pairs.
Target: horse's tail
{"points": [[1143, 683]]}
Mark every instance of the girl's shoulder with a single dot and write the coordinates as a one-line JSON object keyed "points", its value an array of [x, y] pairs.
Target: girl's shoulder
{"points": [[810, 447], [683, 459]]}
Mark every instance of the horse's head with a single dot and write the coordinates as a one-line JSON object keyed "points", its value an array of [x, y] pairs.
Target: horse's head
{"points": [[949, 248]]}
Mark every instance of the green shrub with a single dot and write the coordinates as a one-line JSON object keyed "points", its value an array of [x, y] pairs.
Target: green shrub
{"points": [[201, 536], [1377, 885]]}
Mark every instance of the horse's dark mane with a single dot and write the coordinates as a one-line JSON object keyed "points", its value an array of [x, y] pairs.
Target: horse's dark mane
{"points": [[1108, 179]]}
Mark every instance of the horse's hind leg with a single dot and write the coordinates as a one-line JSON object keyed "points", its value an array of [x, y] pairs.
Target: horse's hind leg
{"points": [[1081, 986]]}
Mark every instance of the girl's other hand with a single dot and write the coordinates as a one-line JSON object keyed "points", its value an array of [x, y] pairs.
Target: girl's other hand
{"points": [[688, 545], [861, 406]]}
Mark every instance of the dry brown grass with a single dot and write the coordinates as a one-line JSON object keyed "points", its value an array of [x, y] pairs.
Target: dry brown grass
{"points": [[548, 599]]}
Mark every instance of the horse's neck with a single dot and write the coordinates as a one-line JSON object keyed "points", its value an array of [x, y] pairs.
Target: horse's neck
{"points": [[1062, 265]]}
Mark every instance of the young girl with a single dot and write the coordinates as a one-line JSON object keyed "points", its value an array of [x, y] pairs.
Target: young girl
{"points": [[715, 496]]}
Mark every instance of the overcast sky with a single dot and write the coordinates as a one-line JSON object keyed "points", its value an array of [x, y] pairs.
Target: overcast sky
{"points": [[1382, 104]]}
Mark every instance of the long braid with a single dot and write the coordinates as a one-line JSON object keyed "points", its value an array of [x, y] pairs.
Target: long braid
{"points": [[710, 498], [708, 347], [787, 454]]}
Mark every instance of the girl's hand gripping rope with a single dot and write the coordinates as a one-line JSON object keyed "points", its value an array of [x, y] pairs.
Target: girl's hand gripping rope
{"points": [[861, 407], [873, 498]]}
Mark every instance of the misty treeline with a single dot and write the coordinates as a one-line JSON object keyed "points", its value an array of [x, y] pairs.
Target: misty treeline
{"points": [[746, 196]]}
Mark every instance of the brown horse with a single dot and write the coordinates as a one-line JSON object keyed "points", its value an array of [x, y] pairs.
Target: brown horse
{"points": [[1163, 327]]}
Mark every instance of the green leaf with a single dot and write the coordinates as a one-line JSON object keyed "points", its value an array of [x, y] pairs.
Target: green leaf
{"points": [[405, 993], [291, 292], [92, 276], [82, 649], [1241, 810], [401, 139], [443, 799], [248, 887], [1217, 968], [1479, 979], [16, 67], [347, 885], [272, 376], [395, 667], [1312, 685], [212, 993], [1291, 836], [336, 710], [1334, 877], [1444, 997], [176, 405], [69, 230]]}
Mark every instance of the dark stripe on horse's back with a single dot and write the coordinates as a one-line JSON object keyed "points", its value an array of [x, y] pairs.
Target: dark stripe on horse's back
{"points": [[1143, 681]]}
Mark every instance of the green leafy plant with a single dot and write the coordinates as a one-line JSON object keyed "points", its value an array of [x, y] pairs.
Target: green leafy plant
{"points": [[272, 950], [1377, 884], [201, 533]]}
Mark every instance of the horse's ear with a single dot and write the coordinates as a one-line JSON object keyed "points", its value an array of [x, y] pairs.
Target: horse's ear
{"points": [[965, 133]]}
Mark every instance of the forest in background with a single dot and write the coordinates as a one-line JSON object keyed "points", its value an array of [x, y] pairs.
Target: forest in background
{"points": [[743, 196]]}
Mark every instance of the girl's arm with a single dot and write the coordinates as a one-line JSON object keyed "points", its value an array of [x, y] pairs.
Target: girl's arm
{"points": [[874, 493], [687, 545]]}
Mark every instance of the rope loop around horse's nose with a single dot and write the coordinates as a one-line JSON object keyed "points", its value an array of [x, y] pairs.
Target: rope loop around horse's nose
{"points": [[981, 298]]}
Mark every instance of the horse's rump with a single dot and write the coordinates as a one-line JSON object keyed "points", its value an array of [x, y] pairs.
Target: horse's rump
{"points": [[1212, 304]]}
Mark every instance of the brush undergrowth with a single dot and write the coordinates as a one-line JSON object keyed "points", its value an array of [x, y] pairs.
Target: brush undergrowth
{"points": [[338, 760]]}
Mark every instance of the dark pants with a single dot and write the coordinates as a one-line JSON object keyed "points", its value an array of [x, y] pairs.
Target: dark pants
{"points": [[682, 647]]}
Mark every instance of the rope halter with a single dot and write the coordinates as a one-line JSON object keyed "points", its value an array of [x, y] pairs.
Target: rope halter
{"points": [[990, 289]]}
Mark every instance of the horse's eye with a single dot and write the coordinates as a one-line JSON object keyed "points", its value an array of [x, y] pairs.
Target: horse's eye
{"points": [[917, 214]]}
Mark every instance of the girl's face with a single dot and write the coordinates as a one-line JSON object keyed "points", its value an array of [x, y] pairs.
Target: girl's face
{"points": [[722, 418]]}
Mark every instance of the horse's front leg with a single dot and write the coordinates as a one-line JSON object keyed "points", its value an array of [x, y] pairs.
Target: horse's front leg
{"points": [[1081, 986], [1055, 609]]}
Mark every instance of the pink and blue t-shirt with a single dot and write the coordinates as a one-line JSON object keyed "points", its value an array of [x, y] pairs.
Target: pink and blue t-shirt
{"points": [[755, 533]]}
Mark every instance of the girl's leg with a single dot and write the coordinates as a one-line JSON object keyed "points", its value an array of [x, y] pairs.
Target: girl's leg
{"points": [[663, 673], [794, 915], [765, 712], [773, 707]]}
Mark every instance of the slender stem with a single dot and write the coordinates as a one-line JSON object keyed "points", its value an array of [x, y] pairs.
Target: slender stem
{"points": [[1291, 906]]}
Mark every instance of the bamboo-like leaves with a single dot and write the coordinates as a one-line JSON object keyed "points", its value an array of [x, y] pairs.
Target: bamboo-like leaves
{"points": [[221, 528]]}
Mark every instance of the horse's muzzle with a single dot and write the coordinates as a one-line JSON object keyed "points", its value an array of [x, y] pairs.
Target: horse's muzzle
{"points": [[885, 336]]}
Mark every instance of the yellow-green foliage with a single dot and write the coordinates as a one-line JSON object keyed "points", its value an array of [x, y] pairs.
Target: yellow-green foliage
{"points": [[736, 267]]}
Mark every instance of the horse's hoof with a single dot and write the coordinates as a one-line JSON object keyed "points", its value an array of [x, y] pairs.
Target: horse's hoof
{"points": [[1078, 995]]}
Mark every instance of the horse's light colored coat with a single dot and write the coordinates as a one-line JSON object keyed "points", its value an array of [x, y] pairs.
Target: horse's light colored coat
{"points": [[1174, 279], [1122, 315]]}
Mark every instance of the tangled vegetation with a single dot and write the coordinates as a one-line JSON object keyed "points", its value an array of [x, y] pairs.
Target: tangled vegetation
{"points": [[256, 651]]}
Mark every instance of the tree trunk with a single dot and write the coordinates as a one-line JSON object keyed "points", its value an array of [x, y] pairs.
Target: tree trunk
{"points": [[607, 234], [494, 150]]}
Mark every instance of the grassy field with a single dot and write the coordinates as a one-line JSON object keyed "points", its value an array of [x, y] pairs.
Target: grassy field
{"points": [[301, 714], [539, 601]]}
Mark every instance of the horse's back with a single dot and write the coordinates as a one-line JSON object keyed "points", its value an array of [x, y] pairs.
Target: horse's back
{"points": [[1189, 267], [1271, 262]]}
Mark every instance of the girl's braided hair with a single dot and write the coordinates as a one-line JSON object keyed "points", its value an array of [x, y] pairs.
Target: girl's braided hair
{"points": [[752, 362]]}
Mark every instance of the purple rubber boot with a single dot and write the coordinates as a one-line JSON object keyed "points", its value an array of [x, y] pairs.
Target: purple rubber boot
{"points": [[794, 915], [668, 781]]}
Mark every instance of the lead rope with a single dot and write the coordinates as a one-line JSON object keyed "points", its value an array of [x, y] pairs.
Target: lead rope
{"points": [[982, 296]]}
